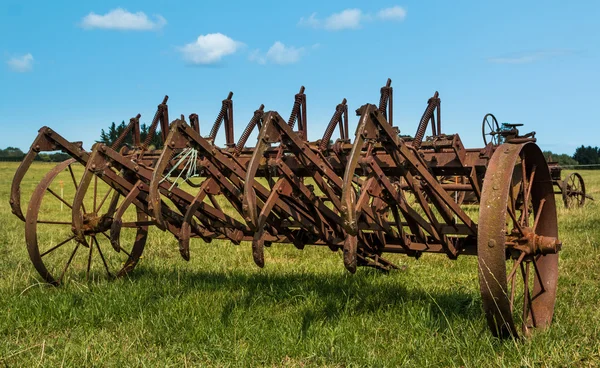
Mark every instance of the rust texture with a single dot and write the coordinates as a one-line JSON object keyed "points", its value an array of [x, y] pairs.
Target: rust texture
{"points": [[365, 195]]}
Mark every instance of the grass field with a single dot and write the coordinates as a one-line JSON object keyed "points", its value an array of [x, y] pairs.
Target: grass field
{"points": [[302, 309]]}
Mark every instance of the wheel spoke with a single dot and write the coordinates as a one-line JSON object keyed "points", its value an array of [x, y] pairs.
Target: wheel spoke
{"points": [[539, 276], [515, 222], [512, 291], [102, 256], [126, 252], [104, 199], [511, 275], [57, 246], [95, 192], [136, 224], [87, 272], [538, 214], [76, 186], [524, 187], [53, 222], [68, 263], [58, 197]]}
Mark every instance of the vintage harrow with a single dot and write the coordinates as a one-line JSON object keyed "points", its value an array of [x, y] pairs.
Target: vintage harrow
{"points": [[571, 188], [380, 192]]}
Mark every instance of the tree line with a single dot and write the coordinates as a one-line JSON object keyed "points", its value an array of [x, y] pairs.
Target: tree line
{"points": [[584, 155], [108, 137]]}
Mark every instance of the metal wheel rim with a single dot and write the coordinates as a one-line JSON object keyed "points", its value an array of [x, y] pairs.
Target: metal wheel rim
{"points": [[36, 254], [573, 191], [494, 270], [490, 124]]}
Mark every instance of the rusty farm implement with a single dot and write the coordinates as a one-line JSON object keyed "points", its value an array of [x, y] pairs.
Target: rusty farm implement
{"points": [[365, 195]]}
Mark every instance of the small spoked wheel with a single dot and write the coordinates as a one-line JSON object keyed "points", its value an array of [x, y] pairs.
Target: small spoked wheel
{"points": [[518, 241], [490, 130], [573, 191], [53, 247]]}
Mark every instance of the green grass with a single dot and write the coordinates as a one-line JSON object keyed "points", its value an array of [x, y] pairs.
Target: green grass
{"points": [[302, 309]]}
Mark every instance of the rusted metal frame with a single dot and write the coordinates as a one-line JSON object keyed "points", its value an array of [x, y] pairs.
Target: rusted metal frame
{"points": [[161, 116], [303, 152], [117, 222], [195, 122], [98, 165], [271, 133], [233, 231], [418, 168], [371, 188], [46, 141], [179, 197], [415, 221], [231, 187], [474, 182], [229, 164], [419, 195], [465, 245], [177, 139], [416, 187], [281, 188], [325, 218]]}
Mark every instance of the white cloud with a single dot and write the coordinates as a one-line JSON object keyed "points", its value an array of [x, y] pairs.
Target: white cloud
{"points": [[311, 21], [209, 48], [278, 53], [393, 13], [347, 19], [352, 18], [121, 19], [526, 58], [21, 64]]}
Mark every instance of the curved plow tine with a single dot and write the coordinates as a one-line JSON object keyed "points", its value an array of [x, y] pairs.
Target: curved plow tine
{"points": [[117, 224], [46, 141], [267, 135], [155, 203], [188, 220]]}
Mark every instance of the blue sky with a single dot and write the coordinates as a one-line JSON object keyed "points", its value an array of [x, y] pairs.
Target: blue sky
{"points": [[77, 66]]}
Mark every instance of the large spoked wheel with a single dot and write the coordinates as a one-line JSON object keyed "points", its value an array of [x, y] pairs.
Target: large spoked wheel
{"points": [[52, 245], [573, 191], [518, 241], [490, 130]]}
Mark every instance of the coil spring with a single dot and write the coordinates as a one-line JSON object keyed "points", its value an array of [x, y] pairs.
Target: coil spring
{"points": [[153, 126], [123, 135], [432, 104], [385, 92], [217, 125], [295, 111], [218, 121], [335, 119], [246, 133]]}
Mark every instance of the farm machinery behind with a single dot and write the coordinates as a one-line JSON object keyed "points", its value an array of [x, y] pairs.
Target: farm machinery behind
{"points": [[365, 195]]}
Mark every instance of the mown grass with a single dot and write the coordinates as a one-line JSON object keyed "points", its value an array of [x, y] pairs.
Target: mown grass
{"points": [[302, 309]]}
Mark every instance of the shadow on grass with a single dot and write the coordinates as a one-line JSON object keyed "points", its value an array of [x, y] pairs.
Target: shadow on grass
{"points": [[320, 298]]}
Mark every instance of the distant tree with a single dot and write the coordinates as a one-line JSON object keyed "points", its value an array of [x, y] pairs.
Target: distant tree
{"points": [[155, 142], [11, 152], [114, 131], [587, 155], [562, 159]]}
